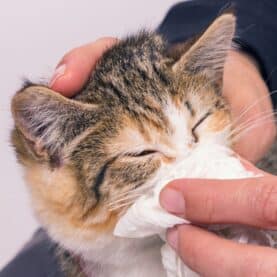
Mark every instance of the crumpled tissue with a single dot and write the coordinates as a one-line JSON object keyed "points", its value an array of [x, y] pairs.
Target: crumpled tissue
{"points": [[146, 217]]}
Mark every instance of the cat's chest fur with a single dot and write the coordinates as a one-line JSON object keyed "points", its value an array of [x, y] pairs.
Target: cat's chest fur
{"points": [[123, 257]]}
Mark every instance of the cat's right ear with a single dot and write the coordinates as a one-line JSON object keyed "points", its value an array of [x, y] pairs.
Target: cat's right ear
{"points": [[207, 55], [49, 121]]}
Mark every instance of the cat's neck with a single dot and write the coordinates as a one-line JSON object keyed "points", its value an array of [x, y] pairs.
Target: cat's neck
{"points": [[126, 257]]}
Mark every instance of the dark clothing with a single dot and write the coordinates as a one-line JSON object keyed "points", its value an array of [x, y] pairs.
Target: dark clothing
{"points": [[36, 259], [256, 34]]}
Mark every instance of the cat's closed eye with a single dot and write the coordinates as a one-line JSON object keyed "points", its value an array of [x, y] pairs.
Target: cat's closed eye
{"points": [[197, 124], [143, 153]]}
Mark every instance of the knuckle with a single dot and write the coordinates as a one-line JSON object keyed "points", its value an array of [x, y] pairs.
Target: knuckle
{"points": [[258, 267], [190, 251], [266, 203], [209, 208], [262, 269], [190, 255]]}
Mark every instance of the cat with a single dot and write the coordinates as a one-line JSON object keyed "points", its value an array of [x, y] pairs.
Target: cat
{"points": [[145, 103]]}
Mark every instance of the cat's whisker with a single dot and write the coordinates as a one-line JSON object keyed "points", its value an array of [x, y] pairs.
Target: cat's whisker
{"points": [[114, 208], [256, 116], [266, 115], [235, 121], [122, 203], [257, 124], [262, 98], [141, 189], [125, 198], [253, 119], [259, 116], [243, 132], [251, 126], [122, 194], [128, 197]]}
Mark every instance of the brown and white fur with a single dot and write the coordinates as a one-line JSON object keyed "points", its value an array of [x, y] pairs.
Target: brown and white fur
{"points": [[144, 104]]}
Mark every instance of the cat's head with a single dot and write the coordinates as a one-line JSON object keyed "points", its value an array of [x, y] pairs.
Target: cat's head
{"points": [[143, 107]]}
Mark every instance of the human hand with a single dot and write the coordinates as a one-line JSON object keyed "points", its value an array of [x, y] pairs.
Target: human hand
{"points": [[250, 202], [245, 90], [75, 67]]}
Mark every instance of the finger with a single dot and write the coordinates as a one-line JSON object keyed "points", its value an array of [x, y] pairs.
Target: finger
{"points": [[250, 201], [209, 255], [75, 67]]}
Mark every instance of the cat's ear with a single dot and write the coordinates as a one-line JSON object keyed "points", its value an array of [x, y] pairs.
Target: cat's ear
{"points": [[48, 120], [208, 54]]}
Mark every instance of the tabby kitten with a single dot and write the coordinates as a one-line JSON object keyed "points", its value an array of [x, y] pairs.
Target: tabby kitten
{"points": [[145, 105]]}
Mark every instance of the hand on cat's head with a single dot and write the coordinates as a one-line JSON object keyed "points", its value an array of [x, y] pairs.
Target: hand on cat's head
{"points": [[74, 69], [243, 87]]}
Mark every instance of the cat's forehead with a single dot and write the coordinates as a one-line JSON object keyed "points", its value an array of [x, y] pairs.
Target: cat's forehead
{"points": [[136, 74], [131, 71]]}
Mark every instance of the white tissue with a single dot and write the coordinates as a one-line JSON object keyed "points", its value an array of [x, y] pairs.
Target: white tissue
{"points": [[146, 217]]}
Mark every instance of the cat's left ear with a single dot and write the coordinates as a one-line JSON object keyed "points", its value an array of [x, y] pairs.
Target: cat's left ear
{"points": [[48, 121], [208, 54]]}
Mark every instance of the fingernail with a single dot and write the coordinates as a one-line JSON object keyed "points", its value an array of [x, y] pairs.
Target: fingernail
{"points": [[60, 70], [173, 201], [172, 237]]}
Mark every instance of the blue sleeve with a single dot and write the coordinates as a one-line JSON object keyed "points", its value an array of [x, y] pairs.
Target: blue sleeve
{"points": [[36, 259]]}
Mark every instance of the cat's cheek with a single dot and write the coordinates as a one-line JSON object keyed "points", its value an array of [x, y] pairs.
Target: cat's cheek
{"points": [[62, 209], [216, 128], [219, 121]]}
